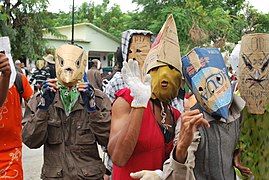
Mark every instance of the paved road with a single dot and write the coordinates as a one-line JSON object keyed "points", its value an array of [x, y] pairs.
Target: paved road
{"points": [[32, 160]]}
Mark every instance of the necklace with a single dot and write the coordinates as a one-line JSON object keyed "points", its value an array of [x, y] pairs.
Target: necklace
{"points": [[164, 115]]}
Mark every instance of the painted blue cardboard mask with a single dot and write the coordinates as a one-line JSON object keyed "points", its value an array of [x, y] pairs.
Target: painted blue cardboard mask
{"points": [[207, 76]]}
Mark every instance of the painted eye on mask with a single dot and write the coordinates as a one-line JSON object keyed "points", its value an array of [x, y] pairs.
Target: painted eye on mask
{"points": [[171, 67], [154, 69], [219, 79], [78, 62], [61, 61], [247, 62], [265, 65], [138, 51]]}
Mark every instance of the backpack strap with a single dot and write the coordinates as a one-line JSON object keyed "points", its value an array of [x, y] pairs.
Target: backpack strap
{"points": [[19, 85]]}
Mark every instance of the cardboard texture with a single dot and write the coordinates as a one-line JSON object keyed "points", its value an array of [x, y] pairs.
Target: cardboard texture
{"points": [[40, 64], [165, 49], [206, 74], [70, 64], [6, 48], [139, 48], [126, 37], [253, 77]]}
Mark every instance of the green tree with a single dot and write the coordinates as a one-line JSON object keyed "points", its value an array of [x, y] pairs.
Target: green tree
{"points": [[23, 21]]}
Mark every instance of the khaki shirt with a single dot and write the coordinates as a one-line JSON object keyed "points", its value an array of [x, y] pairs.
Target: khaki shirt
{"points": [[173, 170]]}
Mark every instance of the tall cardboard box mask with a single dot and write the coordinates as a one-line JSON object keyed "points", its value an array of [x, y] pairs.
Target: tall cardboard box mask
{"points": [[165, 49], [253, 77]]}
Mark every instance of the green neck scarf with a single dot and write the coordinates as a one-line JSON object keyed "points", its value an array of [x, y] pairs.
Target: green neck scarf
{"points": [[69, 97]]}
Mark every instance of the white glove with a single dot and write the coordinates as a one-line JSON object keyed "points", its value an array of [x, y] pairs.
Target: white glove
{"points": [[141, 91], [147, 175]]}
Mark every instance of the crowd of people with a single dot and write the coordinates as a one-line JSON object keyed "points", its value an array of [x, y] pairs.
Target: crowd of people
{"points": [[149, 127]]}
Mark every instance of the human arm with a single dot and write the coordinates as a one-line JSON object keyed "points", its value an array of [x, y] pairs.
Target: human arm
{"points": [[173, 170], [102, 118], [245, 171], [4, 77], [191, 120], [34, 133], [124, 132], [126, 119], [182, 159]]}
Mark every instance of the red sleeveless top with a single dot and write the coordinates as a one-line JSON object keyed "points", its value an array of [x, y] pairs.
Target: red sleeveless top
{"points": [[150, 151]]}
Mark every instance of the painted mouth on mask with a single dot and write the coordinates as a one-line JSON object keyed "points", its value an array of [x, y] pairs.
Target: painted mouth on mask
{"points": [[255, 82], [164, 84]]}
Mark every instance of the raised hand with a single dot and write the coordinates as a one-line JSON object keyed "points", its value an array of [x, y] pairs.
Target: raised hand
{"points": [[4, 65], [141, 91], [190, 121], [87, 94], [48, 93]]}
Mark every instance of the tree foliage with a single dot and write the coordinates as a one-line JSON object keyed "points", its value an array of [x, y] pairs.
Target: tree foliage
{"points": [[199, 22], [23, 21]]}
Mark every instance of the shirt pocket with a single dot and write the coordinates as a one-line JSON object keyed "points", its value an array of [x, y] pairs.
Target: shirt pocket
{"points": [[54, 132], [85, 135], [95, 171], [52, 172]]}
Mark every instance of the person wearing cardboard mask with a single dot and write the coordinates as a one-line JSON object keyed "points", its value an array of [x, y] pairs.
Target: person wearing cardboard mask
{"points": [[201, 152], [69, 118], [143, 121], [11, 115], [135, 45], [40, 75], [253, 86]]}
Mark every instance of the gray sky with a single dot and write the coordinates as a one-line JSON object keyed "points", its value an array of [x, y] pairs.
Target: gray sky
{"points": [[126, 5]]}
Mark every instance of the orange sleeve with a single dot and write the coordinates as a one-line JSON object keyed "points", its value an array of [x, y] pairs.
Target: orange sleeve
{"points": [[28, 91]]}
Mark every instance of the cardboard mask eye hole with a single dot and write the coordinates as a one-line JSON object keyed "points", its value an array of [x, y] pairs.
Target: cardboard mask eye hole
{"points": [[78, 63], [61, 61], [200, 89], [138, 50], [218, 78]]}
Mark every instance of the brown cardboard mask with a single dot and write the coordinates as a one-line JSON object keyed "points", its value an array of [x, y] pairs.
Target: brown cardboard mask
{"points": [[253, 77], [40, 64], [139, 48], [70, 63], [165, 49]]}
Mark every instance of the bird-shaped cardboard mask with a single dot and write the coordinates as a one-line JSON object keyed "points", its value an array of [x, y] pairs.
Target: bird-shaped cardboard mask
{"points": [[70, 63]]}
